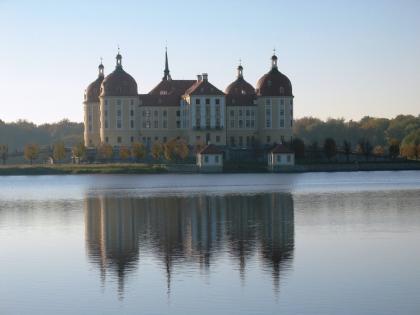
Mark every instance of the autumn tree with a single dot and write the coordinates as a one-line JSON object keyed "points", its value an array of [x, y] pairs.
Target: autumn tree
{"points": [[59, 151], [378, 151], [79, 150], [157, 150], [138, 150], [169, 149], [330, 148], [125, 153], [182, 150], [106, 151], [4, 150], [31, 152]]}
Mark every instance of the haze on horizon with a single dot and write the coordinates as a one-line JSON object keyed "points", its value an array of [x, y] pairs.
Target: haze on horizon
{"points": [[345, 59]]}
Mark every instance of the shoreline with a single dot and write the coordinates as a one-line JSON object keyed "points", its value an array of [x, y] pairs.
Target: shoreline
{"points": [[84, 169]]}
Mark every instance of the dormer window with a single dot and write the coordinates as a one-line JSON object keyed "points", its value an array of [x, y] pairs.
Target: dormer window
{"points": [[243, 92], [163, 92], [281, 90]]}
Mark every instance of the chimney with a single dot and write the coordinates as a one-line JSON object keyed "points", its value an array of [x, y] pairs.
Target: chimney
{"points": [[205, 76], [199, 77]]}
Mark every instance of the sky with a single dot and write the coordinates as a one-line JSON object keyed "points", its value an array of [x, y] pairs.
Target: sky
{"points": [[345, 59]]}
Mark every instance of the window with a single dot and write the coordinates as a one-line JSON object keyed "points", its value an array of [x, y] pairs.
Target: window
{"points": [[267, 101], [164, 113], [281, 116], [267, 116], [217, 101], [278, 158], [131, 139], [156, 124], [268, 139], [232, 123], [240, 112], [178, 124], [207, 101], [217, 139], [106, 124], [216, 159], [165, 124], [131, 112], [156, 113], [106, 139], [197, 101], [178, 113], [119, 139], [118, 102], [206, 159], [131, 124], [119, 124], [240, 141], [197, 138], [281, 90], [232, 141], [289, 158], [164, 139], [241, 123], [232, 113]]}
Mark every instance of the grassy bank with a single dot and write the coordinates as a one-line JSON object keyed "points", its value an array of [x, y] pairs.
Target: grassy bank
{"points": [[81, 169]]}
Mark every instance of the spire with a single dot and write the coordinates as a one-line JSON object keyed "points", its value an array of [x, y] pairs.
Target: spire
{"points": [[240, 70], [274, 60], [119, 59], [166, 74], [101, 69]]}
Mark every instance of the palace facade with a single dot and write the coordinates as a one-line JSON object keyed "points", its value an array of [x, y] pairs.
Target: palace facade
{"points": [[242, 116]]}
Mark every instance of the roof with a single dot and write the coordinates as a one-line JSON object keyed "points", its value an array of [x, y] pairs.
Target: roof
{"points": [[274, 83], [203, 87], [159, 100], [93, 90], [210, 149], [240, 87], [119, 83], [240, 100], [172, 87], [281, 148]]}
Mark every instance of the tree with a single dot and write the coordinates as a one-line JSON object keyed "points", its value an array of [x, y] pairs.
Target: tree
{"points": [[378, 151], [106, 151], [408, 150], [330, 148], [138, 150], [4, 150], [298, 147], [394, 148], [347, 149], [124, 153], [169, 149], [182, 149], [79, 150], [365, 148], [31, 152], [157, 150], [59, 151]]}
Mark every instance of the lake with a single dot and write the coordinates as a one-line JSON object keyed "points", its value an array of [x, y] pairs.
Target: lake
{"points": [[315, 243]]}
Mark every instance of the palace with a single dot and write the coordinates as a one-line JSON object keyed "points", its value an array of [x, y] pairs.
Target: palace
{"points": [[240, 117]]}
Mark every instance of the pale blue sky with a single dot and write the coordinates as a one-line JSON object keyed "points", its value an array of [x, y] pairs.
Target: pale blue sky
{"points": [[344, 58]]}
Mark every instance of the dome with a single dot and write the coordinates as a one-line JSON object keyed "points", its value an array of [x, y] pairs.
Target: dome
{"points": [[274, 83], [119, 82], [240, 86], [93, 90]]}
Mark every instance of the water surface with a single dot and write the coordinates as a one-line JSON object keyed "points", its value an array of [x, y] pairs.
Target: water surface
{"points": [[321, 243]]}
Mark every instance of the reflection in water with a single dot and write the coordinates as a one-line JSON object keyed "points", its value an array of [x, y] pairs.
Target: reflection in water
{"points": [[190, 231]]}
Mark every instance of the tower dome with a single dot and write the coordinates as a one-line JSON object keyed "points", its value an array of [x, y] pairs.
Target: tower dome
{"points": [[274, 83], [119, 82], [240, 86], [94, 89]]}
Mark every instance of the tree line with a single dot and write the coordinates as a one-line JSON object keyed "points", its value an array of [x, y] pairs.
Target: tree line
{"points": [[369, 136]]}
